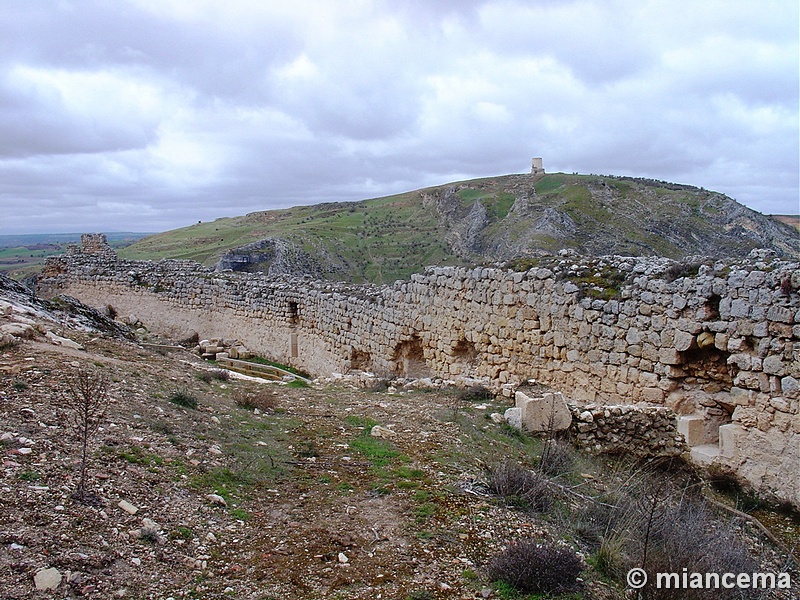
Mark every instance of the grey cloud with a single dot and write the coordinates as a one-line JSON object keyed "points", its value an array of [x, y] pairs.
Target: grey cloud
{"points": [[191, 115]]}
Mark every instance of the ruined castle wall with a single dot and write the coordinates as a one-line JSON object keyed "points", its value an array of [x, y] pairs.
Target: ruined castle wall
{"points": [[723, 344]]}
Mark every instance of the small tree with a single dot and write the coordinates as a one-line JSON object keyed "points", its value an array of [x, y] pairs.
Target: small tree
{"points": [[86, 398]]}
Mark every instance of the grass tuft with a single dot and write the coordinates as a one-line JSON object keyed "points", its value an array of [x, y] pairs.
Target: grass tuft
{"points": [[184, 398]]}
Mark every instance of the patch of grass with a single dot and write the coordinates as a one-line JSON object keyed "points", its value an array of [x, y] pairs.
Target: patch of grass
{"points": [[223, 481], [424, 511], [137, 455], [182, 532], [265, 361], [184, 398], [29, 476], [19, 386], [379, 452], [240, 514], [297, 383], [359, 421]]}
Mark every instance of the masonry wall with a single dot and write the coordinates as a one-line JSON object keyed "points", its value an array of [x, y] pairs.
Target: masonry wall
{"points": [[723, 344]]}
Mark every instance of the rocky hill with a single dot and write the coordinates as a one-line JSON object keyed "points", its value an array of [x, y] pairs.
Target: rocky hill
{"points": [[489, 220]]}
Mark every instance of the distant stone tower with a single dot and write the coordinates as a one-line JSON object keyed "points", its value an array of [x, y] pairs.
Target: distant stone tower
{"points": [[536, 166]]}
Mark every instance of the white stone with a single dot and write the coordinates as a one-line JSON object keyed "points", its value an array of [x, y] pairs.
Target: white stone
{"points": [[47, 579], [62, 341], [382, 432], [513, 416], [216, 499], [18, 330], [790, 386], [497, 418], [704, 455], [127, 507], [729, 435]]}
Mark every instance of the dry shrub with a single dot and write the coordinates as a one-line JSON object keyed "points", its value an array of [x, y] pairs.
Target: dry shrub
{"points": [[537, 568], [519, 486], [218, 374], [557, 458], [255, 400], [689, 534], [475, 393], [653, 525], [86, 398]]}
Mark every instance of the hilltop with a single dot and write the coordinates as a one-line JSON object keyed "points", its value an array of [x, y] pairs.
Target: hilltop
{"points": [[495, 219]]}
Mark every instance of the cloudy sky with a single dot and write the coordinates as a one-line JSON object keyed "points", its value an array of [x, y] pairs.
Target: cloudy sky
{"points": [[145, 115]]}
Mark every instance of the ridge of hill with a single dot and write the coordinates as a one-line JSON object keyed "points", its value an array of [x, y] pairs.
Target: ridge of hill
{"points": [[494, 219]]}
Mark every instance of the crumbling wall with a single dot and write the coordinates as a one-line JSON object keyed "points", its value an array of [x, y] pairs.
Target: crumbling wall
{"points": [[625, 430], [719, 341]]}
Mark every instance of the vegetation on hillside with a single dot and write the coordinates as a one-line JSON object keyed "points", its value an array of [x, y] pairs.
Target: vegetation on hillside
{"points": [[485, 221]]}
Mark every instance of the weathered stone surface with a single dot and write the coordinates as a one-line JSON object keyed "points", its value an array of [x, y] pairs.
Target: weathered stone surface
{"points": [[62, 341], [513, 416], [18, 330], [47, 579], [127, 507], [382, 432], [547, 413]]}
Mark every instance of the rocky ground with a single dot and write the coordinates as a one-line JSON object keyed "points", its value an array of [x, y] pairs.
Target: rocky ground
{"points": [[262, 490]]}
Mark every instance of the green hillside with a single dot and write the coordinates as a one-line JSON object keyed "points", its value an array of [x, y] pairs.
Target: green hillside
{"points": [[478, 221]]}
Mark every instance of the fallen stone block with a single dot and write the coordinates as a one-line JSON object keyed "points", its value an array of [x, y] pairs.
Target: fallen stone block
{"points": [[548, 413]]}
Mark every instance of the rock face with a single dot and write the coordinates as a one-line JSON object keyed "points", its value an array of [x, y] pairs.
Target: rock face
{"points": [[276, 256], [716, 339]]}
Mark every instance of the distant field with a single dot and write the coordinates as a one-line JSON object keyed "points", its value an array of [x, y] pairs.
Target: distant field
{"points": [[793, 220], [24, 255]]}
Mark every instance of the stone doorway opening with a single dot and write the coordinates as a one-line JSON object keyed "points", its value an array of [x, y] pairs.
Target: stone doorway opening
{"points": [[360, 360], [465, 358], [409, 359]]}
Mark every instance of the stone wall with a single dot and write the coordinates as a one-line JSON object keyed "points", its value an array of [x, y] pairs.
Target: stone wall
{"points": [[719, 342], [626, 430]]}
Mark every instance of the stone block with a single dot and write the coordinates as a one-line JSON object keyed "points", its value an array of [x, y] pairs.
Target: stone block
{"points": [[653, 394], [670, 356], [729, 436], [513, 417], [683, 341], [773, 365], [548, 413], [705, 455], [691, 426]]}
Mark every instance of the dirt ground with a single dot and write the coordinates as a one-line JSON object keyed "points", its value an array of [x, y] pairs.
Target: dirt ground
{"points": [[295, 500]]}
